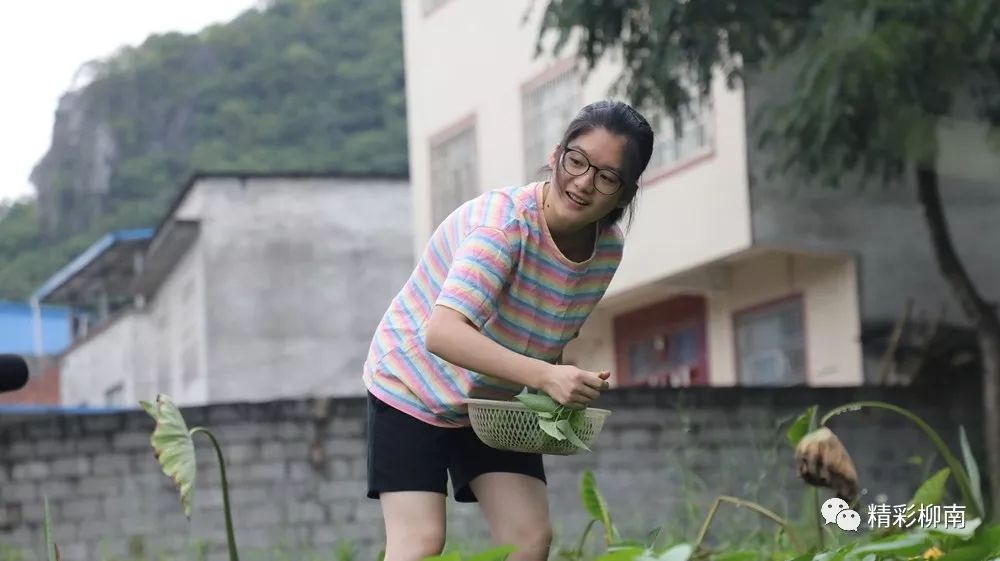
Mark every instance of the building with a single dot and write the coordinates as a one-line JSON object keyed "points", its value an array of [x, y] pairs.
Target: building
{"points": [[728, 277], [17, 332], [39, 348], [254, 287]]}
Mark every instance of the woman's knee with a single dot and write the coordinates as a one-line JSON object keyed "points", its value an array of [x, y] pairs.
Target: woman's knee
{"points": [[414, 525], [414, 541], [531, 535]]}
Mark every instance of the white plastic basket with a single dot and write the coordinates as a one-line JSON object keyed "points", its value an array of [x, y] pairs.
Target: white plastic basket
{"points": [[510, 425]]}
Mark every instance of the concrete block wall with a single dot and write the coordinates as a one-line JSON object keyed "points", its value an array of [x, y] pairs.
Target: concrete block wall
{"points": [[297, 470]]}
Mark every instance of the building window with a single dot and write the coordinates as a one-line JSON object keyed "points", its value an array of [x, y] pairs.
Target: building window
{"points": [[454, 171], [771, 344], [697, 137], [546, 108], [663, 344]]}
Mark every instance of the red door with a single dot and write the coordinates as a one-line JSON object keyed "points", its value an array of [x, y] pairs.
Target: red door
{"points": [[663, 344]]}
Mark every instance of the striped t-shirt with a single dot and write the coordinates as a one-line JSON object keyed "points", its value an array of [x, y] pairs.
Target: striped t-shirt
{"points": [[494, 261]]}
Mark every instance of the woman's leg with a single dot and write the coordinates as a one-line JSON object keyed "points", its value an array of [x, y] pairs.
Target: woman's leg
{"points": [[408, 474], [517, 509], [414, 524]]}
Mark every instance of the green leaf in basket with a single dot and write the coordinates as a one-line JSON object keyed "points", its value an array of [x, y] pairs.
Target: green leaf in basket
{"points": [[567, 429], [544, 415], [537, 402], [551, 428]]}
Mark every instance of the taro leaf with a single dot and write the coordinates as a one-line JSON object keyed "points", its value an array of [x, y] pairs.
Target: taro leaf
{"points": [[566, 429], [595, 505], [495, 554], [537, 402], [972, 469], [679, 552], [800, 427], [552, 429], [173, 447]]}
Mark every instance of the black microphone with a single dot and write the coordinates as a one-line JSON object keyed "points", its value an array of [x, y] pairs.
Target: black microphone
{"points": [[13, 373]]}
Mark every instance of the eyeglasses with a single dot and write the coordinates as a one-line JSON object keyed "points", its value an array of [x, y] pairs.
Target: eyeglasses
{"points": [[576, 164]]}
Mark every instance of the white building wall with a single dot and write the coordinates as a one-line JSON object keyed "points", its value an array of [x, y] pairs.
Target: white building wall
{"points": [[469, 60], [112, 357]]}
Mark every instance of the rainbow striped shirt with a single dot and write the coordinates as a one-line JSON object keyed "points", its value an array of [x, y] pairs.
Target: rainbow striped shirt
{"points": [[494, 261]]}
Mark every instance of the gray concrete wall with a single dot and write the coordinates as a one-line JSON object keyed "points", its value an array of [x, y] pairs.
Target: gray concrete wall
{"points": [[883, 225], [297, 470], [298, 273]]}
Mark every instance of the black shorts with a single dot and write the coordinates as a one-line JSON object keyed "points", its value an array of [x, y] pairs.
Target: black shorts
{"points": [[407, 454]]}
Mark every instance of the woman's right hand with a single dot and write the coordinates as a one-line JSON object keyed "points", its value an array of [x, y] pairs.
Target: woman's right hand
{"points": [[572, 386]]}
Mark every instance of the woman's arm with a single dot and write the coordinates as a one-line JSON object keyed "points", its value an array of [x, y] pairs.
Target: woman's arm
{"points": [[452, 337]]}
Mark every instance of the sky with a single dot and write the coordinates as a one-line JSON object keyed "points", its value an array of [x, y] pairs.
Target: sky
{"points": [[43, 44]]}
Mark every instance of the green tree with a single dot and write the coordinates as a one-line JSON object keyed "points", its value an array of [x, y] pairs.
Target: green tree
{"points": [[874, 80], [294, 85]]}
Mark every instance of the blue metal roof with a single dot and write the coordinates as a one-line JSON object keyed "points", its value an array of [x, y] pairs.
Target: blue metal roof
{"points": [[17, 333], [89, 256]]}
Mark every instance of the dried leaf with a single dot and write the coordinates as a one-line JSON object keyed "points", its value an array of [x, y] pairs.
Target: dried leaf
{"points": [[822, 460]]}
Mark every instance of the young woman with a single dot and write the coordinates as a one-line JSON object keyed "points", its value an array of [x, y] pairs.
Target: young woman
{"points": [[505, 283]]}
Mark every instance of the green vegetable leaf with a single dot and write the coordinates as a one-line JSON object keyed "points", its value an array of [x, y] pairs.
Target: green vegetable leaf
{"points": [[567, 429], [551, 428], [539, 403], [173, 447]]}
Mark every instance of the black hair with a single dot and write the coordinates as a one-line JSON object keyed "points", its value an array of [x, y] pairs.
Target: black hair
{"points": [[621, 119]]}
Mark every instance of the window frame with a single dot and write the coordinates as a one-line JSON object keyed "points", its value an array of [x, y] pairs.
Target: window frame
{"points": [[706, 153], [560, 69], [770, 305], [444, 135], [667, 316]]}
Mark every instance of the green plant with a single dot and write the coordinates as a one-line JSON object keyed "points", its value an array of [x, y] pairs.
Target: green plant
{"points": [[51, 550], [494, 554], [558, 421], [173, 445], [967, 479]]}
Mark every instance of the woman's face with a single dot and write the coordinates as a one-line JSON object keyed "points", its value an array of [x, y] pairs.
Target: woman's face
{"points": [[574, 200]]}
